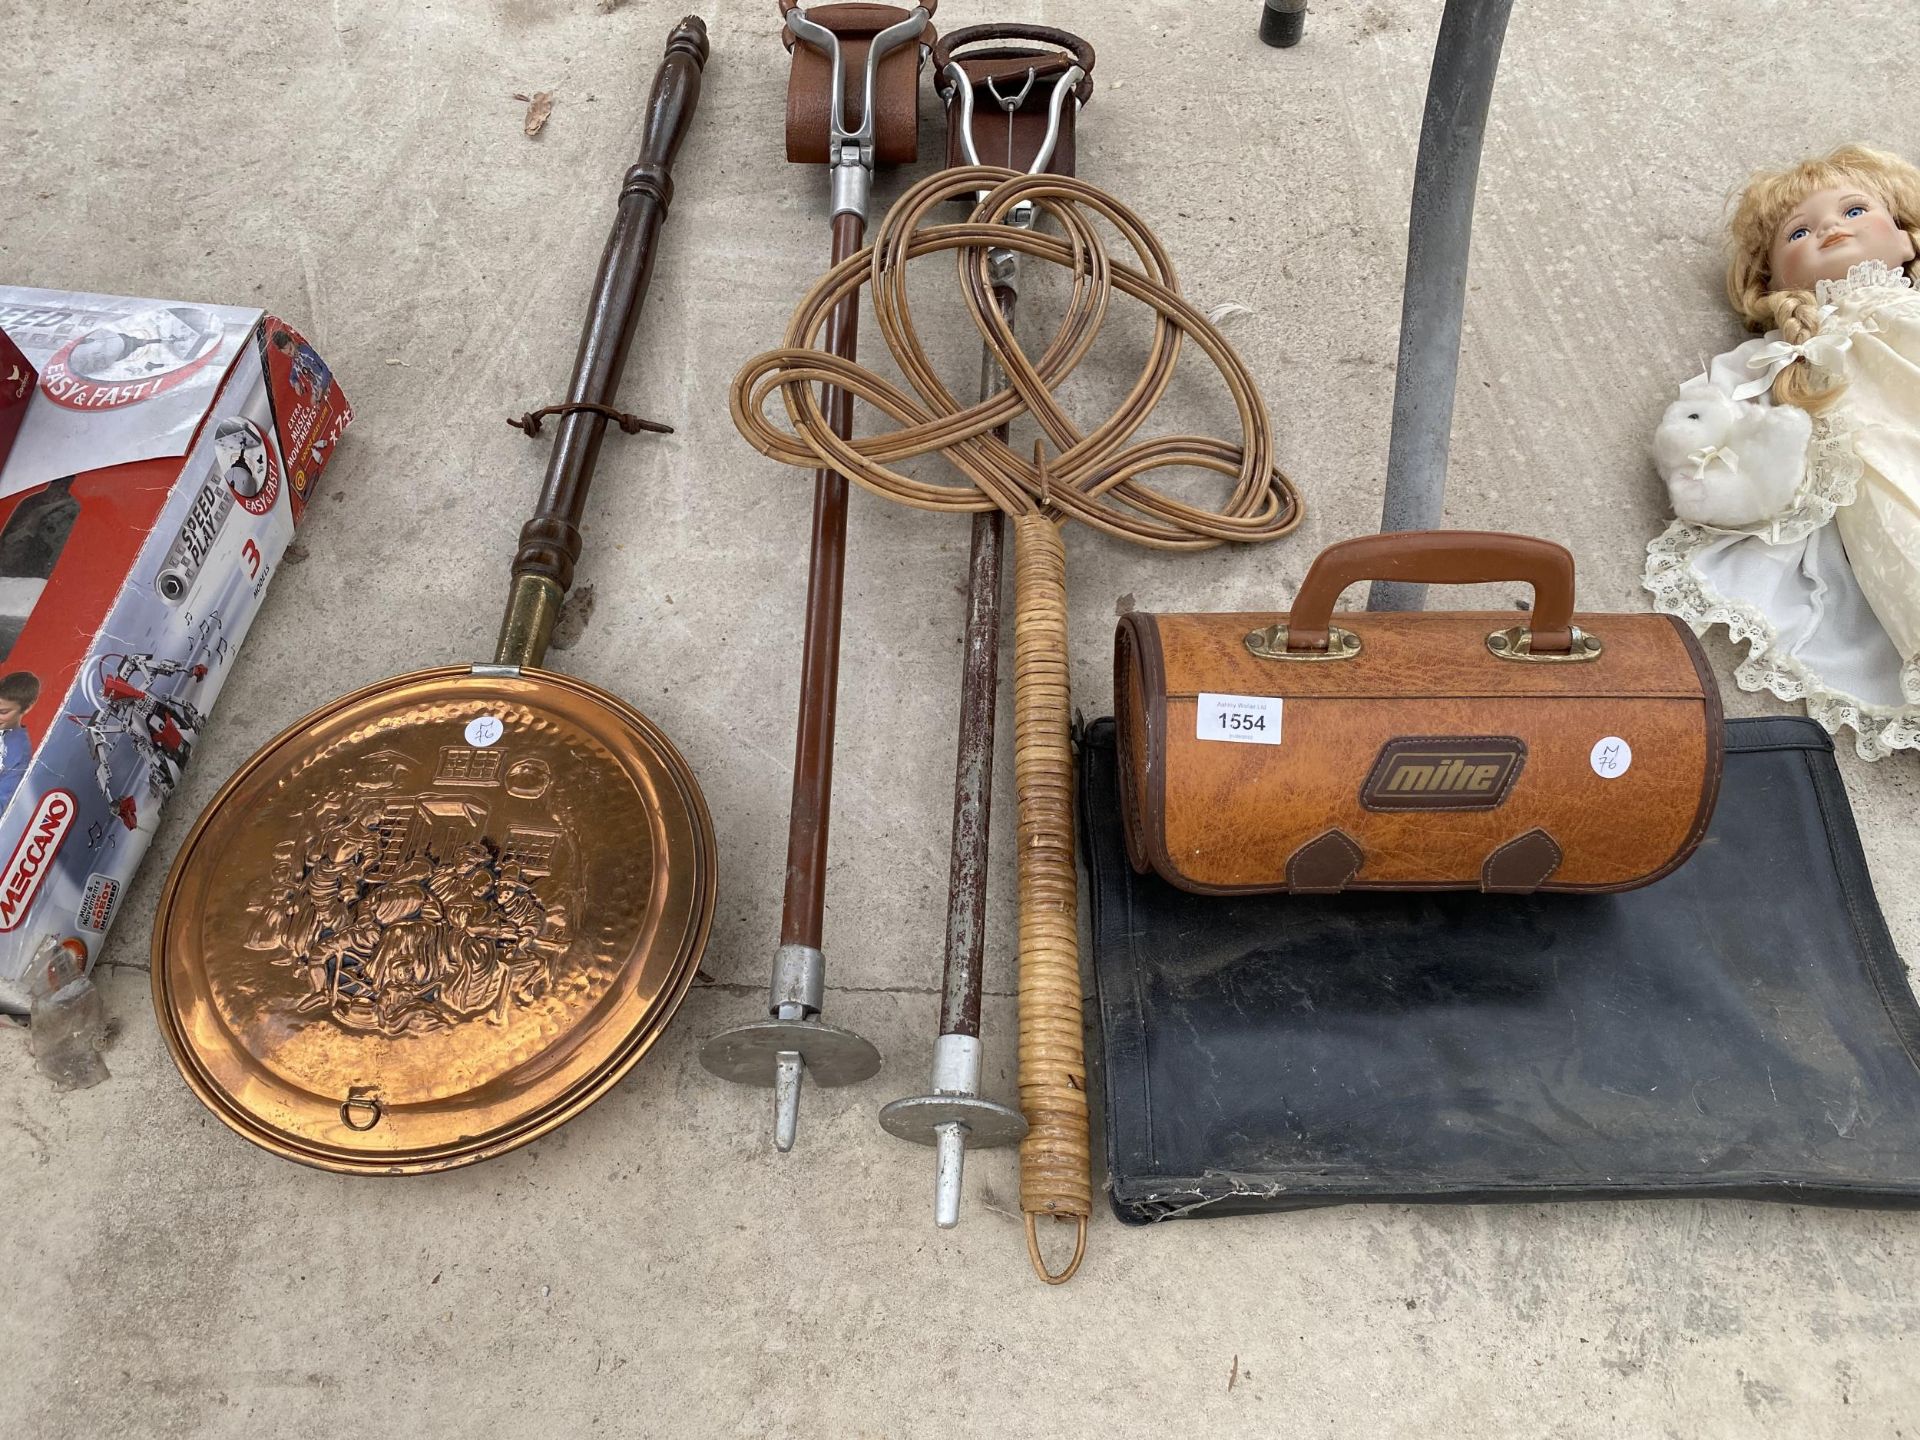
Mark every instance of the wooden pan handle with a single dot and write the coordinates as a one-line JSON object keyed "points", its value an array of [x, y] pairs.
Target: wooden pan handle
{"points": [[676, 90], [550, 541]]}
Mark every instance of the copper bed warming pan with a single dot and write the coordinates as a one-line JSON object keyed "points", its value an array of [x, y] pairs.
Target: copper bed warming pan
{"points": [[444, 914]]}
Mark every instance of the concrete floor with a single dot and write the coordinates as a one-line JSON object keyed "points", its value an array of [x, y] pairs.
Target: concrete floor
{"points": [[654, 1268]]}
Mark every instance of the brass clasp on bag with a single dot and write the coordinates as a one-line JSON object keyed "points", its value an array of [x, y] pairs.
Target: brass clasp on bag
{"points": [[1517, 644], [1269, 642]]}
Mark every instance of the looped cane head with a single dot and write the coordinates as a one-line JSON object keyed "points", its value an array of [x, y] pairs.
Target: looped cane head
{"points": [[1098, 475], [1085, 313]]}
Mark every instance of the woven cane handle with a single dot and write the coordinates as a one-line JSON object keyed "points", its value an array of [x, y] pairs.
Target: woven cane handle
{"points": [[1055, 1164]]}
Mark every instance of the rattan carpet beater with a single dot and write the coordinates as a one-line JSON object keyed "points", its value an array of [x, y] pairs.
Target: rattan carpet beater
{"points": [[1095, 477]]}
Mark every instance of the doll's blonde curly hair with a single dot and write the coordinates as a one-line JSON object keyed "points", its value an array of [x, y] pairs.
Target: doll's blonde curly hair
{"points": [[1766, 201]]}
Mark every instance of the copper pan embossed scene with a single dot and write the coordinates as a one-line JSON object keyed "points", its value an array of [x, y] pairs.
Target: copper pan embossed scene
{"points": [[443, 914]]}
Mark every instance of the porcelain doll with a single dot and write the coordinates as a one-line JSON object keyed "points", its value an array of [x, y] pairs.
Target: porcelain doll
{"points": [[1793, 463]]}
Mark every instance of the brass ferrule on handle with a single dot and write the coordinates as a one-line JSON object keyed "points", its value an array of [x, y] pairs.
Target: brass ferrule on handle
{"points": [[532, 608]]}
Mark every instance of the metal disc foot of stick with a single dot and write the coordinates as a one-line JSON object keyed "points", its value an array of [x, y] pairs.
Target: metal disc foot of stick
{"points": [[951, 1118], [780, 1054], [952, 1124]]}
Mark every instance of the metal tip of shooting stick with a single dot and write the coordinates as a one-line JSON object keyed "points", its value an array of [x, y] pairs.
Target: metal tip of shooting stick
{"points": [[951, 1122], [789, 1070], [952, 1149]]}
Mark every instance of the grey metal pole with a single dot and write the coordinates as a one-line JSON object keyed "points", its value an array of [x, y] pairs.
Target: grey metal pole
{"points": [[1439, 235]]}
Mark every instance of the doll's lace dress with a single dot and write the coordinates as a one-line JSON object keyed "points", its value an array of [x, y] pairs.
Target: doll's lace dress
{"points": [[1815, 591]]}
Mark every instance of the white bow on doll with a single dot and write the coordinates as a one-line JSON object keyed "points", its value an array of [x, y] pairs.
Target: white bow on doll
{"points": [[1770, 359]]}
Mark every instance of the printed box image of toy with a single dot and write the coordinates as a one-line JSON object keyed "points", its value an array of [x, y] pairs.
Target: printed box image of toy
{"points": [[162, 463]]}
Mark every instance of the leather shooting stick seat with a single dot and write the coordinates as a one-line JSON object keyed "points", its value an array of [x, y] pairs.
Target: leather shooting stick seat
{"points": [[852, 104], [988, 75], [811, 87]]}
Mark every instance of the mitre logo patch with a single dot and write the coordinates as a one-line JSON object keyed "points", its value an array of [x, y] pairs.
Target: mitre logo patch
{"points": [[1444, 772]]}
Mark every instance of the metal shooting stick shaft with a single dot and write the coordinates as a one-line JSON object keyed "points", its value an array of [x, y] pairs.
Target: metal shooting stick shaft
{"points": [[960, 978], [550, 541], [792, 1042], [952, 1116], [804, 905], [1439, 237]]}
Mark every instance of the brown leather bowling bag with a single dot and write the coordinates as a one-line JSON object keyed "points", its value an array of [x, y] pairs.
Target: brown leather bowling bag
{"points": [[1317, 752]]}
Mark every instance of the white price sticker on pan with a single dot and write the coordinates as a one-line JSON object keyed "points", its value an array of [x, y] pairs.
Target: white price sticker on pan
{"points": [[1243, 719]]}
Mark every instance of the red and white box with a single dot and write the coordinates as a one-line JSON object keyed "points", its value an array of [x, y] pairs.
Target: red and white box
{"points": [[165, 455]]}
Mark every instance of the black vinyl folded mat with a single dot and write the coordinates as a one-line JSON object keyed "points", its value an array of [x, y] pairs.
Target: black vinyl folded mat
{"points": [[1742, 1028]]}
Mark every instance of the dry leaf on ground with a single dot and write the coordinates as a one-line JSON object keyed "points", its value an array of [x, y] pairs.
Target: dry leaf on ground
{"points": [[538, 109]]}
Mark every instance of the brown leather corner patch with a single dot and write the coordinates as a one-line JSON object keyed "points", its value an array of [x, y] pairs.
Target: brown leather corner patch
{"points": [[1325, 865], [1521, 866], [1444, 772]]}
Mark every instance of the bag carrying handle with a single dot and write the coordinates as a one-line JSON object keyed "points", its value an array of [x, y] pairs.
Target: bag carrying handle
{"points": [[1440, 557]]}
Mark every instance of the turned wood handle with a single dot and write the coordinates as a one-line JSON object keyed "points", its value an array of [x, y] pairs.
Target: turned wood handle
{"points": [[676, 91], [550, 541]]}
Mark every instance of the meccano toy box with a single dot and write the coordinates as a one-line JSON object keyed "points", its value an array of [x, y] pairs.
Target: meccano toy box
{"points": [[163, 461]]}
